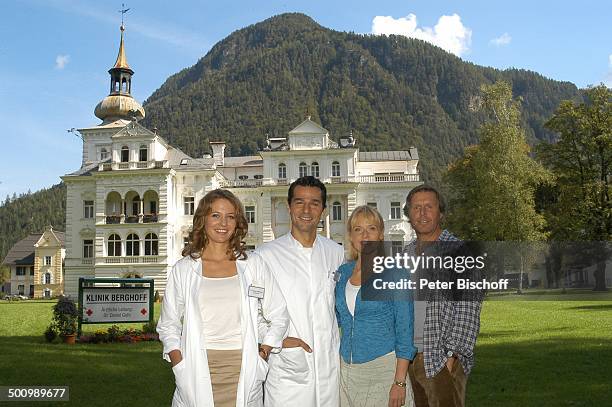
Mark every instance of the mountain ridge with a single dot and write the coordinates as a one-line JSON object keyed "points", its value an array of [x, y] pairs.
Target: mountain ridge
{"points": [[393, 92]]}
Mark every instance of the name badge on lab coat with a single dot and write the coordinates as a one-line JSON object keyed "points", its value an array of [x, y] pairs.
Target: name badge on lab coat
{"points": [[256, 292], [335, 275]]}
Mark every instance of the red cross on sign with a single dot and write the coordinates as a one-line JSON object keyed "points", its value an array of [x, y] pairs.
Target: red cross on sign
{"points": [[89, 312], [143, 311]]}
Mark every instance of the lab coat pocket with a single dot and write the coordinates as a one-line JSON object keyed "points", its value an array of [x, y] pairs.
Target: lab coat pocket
{"points": [[256, 393], [181, 380], [293, 365]]}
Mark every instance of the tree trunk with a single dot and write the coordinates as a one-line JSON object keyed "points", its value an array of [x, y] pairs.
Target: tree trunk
{"points": [[600, 276]]}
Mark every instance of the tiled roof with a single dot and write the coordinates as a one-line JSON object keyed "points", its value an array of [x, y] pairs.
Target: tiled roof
{"points": [[178, 159], [88, 169], [22, 251], [246, 161], [389, 155]]}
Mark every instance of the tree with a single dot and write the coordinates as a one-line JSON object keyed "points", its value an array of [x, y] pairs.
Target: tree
{"points": [[580, 205], [494, 182]]}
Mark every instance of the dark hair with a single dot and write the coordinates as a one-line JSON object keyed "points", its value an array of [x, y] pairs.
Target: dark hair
{"points": [[424, 188], [308, 181], [197, 237]]}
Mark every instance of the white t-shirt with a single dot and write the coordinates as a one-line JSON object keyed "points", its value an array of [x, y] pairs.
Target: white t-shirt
{"points": [[220, 310], [351, 292]]}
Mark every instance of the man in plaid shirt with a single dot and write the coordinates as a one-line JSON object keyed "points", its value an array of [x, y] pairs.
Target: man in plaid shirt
{"points": [[445, 330]]}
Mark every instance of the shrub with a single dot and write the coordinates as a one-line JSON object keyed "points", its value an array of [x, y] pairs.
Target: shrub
{"points": [[113, 333], [101, 335], [150, 327], [65, 316], [50, 333]]}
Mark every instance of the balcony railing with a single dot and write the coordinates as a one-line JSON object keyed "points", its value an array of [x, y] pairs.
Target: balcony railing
{"points": [[132, 259], [119, 219], [133, 165], [150, 218], [247, 183], [377, 178], [363, 179], [87, 261], [113, 219]]}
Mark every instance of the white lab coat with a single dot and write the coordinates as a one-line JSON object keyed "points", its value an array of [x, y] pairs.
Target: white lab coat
{"points": [[181, 300], [298, 378]]}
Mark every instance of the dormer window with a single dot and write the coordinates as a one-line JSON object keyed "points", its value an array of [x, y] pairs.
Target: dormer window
{"points": [[143, 153], [314, 169], [303, 170], [125, 154], [243, 177], [184, 161]]}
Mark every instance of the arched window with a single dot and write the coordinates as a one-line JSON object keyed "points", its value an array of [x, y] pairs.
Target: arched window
{"points": [[335, 169], [132, 245], [151, 244], [143, 153], [336, 211], [103, 154], [125, 154], [303, 170], [314, 169], [114, 245], [124, 85], [47, 278], [282, 171]]}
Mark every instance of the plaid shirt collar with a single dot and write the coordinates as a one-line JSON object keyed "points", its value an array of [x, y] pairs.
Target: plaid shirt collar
{"points": [[445, 236]]}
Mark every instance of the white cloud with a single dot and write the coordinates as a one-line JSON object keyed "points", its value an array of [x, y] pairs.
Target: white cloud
{"points": [[449, 33], [61, 61], [502, 40]]}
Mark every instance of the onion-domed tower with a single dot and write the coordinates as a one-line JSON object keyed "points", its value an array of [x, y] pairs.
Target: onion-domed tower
{"points": [[120, 104]]}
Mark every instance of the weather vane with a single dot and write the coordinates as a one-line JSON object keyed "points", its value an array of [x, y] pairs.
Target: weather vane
{"points": [[123, 11]]}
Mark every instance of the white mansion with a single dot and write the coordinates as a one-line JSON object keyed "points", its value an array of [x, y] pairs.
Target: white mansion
{"points": [[130, 205]]}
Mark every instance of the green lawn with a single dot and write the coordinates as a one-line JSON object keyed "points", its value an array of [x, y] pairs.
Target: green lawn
{"points": [[529, 353], [543, 353]]}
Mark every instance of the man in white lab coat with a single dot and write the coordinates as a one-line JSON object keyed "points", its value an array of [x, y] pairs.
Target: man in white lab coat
{"points": [[305, 373]]}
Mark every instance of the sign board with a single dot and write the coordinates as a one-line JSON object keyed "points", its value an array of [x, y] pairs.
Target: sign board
{"points": [[107, 305], [115, 300]]}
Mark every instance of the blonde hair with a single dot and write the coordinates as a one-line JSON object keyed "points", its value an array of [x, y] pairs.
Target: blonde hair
{"points": [[369, 213]]}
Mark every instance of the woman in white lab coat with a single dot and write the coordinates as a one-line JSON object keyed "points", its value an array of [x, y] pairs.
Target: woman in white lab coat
{"points": [[222, 314]]}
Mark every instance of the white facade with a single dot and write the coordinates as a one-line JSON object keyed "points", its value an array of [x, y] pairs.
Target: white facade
{"points": [[142, 210], [134, 196]]}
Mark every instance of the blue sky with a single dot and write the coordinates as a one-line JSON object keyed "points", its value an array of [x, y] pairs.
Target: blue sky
{"points": [[54, 54]]}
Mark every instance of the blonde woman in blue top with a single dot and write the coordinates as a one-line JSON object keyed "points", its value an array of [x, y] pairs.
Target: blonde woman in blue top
{"points": [[376, 345]]}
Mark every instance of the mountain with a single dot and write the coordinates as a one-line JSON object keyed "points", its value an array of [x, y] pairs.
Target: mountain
{"points": [[30, 213], [392, 92]]}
